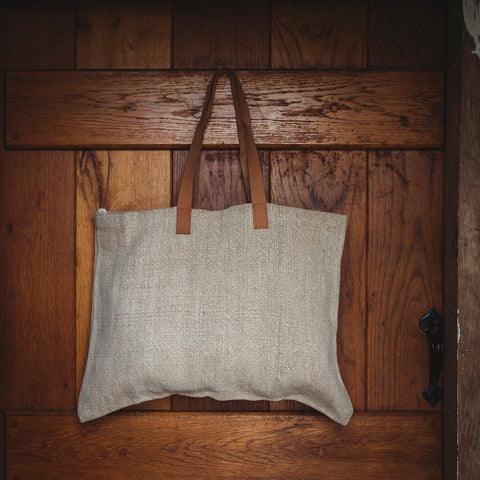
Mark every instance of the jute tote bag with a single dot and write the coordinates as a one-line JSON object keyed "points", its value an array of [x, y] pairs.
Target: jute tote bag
{"points": [[234, 304]]}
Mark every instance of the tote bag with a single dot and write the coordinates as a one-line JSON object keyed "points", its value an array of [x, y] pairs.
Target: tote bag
{"points": [[235, 304]]}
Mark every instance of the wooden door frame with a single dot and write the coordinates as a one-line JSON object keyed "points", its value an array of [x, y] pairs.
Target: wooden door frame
{"points": [[462, 243]]}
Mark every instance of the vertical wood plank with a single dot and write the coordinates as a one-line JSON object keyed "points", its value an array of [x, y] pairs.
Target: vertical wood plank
{"points": [[115, 180], [214, 34], [404, 274], [334, 182], [37, 34], [123, 34], [328, 34], [181, 403], [37, 277], [37, 332], [453, 96], [218, 185], [407, 34], [469, 267], [3, 434]]}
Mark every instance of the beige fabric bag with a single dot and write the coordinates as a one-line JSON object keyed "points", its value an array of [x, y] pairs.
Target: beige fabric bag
{"points": [[242, 305]]}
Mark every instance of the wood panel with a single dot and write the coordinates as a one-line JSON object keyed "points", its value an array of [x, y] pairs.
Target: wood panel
{"points": [[228, 445], [37, 34], [218, 185], [407, 34], [2, 446], [332, 109], [37, 228], [123, 34], [180, 403], [219, 182], [114, 180], [453, 90], [334, 182], [469, 268], [404, 274], [328, 34], [37, 333], [296, 108], [215, 34]]}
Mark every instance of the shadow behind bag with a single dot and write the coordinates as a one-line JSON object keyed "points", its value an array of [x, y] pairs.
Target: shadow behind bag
{"points": [[235, 304]]}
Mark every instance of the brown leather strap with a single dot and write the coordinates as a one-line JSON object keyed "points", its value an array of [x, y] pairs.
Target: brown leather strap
{"points": [[250, 163], [242, 138]]}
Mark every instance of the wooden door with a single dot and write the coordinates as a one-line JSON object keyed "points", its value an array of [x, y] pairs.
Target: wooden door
{"points": [[381, 163]]}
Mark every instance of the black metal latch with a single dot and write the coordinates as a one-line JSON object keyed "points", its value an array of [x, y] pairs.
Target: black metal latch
{"points": [[432, 325]]}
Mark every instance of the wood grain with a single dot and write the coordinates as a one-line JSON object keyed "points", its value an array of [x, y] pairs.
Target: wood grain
{"points": [[334, 181], [37, 34], [404, 274], [378, 109], [37, 228], [2, 446], [469, 267], [407, 34], [224, 446], [180, 403], [328, 34], [123, 34], [453, 96], [289, 108], [114, 180], [216, 34], [218, 185], [37, 333]]}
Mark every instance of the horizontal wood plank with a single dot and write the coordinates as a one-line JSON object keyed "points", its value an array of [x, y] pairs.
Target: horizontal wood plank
{"points": [[224, 446], [161, 109]]}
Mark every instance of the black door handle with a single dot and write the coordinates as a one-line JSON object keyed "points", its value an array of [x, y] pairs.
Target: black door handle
{"points": [[432, 324]]}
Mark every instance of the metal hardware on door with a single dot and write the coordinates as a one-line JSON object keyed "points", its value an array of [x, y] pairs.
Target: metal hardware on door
{"points": [[432, 324]]}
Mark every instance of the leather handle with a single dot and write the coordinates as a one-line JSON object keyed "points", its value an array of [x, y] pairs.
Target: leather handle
{"points": [[251, 170]]}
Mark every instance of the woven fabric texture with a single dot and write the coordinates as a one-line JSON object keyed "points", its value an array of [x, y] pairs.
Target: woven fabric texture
{"points": [[228, 311]]}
